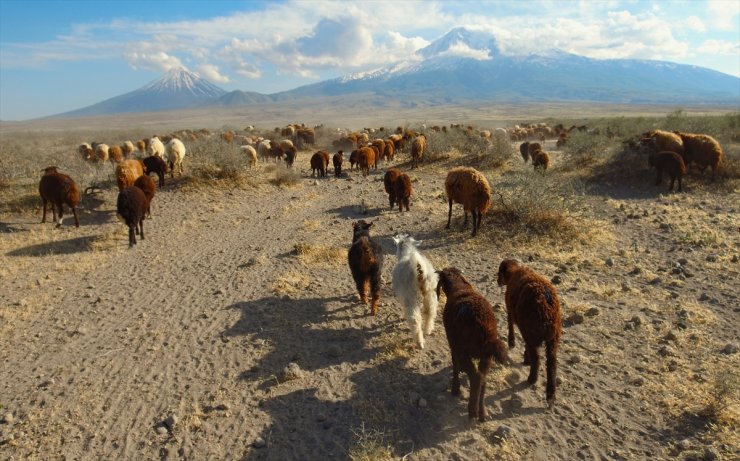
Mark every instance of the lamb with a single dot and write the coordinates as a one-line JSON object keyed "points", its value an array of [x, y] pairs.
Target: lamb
{"points": [[671, 163], [115, 154], [251, 154], [414, 283], [147, 186], [127, 172], [470, 325], [175, 153], [403, 190], [155, 164], [155, 147], [469, 187], [131, 206], [524, 150], [389, 181], [703, 150], [365, 258], [59, 189], [319, 163], [418, 146], [337, 160], [532, 303]]}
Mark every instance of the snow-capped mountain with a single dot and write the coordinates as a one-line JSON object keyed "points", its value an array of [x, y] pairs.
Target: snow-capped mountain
{"points": [[177, 89], [465, 65]]}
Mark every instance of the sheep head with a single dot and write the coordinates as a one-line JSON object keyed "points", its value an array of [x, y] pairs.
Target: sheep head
{"points": [[448, 277], [505, 270]]}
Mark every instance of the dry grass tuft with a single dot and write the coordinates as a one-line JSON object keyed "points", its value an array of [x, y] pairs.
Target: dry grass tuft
{"points": [[291, 283], [369, 445], [320, 255], [281, 176]]}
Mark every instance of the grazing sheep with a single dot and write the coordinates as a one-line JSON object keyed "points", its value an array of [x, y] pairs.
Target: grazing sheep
{"points": [[532, 303], [127, 172], [319, 163], [155, 147], [703, 150], [403, 190], [58, 189], [147, 186], [470, 188], [115, 154], [365, 259], [418, 146], [155, 164], [540, 160], [277, 152], [470, 325], [101, 153], [389, 181], [131, 207], [661, 141], [414, 283], [286, 144], [366, 158], [251, 154], [175, 154], [338, 159], [127, 148], [524, 150], [671, 163]]}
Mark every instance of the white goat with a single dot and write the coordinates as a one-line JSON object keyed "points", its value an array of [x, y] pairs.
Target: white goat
{"points": [[415, 282]]}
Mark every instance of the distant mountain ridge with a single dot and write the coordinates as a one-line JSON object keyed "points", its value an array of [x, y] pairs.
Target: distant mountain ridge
{"points": [[461, 66]]}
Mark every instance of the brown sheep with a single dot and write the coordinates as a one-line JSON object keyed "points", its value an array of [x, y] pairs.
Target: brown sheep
{"points": [[155, 164], [470, 325], [127, 172], [703, 150], [418, 146], [470, 188], [319, 163], [147, 186], [366, 159], [524, 150], [540, 160], [389, 181], [290, 156], [59, 189], [390, 151], [533, 147], [131, 207], [532, 303], [101, 153], [86, 151], [354, 159], [337, 160], [380, 145], [115, 154], [671, 163], [365, 259], [403, 191], [661, 141], [127, 148]]}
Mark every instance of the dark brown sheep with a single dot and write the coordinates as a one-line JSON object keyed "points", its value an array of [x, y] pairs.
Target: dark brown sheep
{"points": [[147, 186], [532, 303], [671, 163], [470, 325], [366, 159], [131, 207], [365, 259], [290, 156], [469, 187], [540, 160], [403, 191], [379, 144], [354, 159], [389, 182], [524, 150], [155, 164], [319, 163], [59, 190], [533, 147], [661, 141], [390, 151], [337, 160], [703, 150]]}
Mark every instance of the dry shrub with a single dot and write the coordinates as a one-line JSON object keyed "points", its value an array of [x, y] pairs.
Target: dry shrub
{"points": [[369, 445], [320, 255], [723, 396], [282, 176]]}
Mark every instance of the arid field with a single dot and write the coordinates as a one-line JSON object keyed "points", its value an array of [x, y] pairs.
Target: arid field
{"points": [[234, 330]]}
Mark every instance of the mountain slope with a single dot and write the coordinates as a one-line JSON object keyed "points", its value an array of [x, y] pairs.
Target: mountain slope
{"points": [[177, 89]]}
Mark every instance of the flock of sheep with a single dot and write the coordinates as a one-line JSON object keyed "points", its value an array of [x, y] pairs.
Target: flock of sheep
{"points": [[470, 324]]}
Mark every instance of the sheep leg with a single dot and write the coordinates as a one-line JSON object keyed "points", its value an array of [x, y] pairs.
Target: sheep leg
{"points": [[375, 291], [429, 312], [476, 221], [392, 200], [362, 289], [61, 213], [141, 226], [679, 183], [413, 316], [131, 234], [475, 383], [534, 364], [45, 204], [465, 222], [406, 203], [455, 386], [659, 179], [510, 321], [673, 180], [77, 221], [551, 350], [483, 367], [449, 215]]}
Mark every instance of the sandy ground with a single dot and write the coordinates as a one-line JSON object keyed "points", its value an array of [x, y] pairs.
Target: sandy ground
{"points": [[233, 331]]}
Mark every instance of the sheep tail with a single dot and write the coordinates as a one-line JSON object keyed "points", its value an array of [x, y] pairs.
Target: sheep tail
{"points": [[499, 351]]}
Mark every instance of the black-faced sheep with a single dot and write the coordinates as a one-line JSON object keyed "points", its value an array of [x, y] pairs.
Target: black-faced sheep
{"points": [[470, 325], [403, 191], [131, 207], [671, 163], [147, 186], [414, 284], [389, 182], [470, 188], [532, 303], [337, 160], [58, 189], [703, 150], [366, 263], [418, 146], [319, 163], [127, 172]]}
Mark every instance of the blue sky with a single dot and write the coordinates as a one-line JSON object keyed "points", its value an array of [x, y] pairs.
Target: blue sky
{"points": [[61, 55]]}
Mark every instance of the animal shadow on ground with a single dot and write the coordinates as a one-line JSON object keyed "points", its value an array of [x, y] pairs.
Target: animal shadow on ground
{"points": [[10, 228], [69, 246], [382, 411], [93, 215], [356, 211]]}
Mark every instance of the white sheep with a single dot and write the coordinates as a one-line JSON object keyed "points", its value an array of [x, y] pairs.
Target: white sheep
{"points": [[415, 282], [155, 147], [286, 144], [251, 154], [263, 149], [175, 153]]}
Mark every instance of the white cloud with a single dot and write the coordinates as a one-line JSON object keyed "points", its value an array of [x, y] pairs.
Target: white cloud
{"points": [[211, 72], [464, 51], [720, 47], [157, 61], [723, 14], [694, 24]]}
